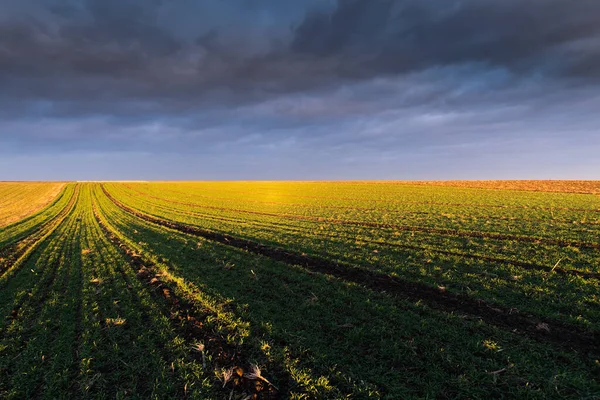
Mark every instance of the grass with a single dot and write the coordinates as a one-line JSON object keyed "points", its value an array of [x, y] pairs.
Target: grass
{"points": [[303, 290]]}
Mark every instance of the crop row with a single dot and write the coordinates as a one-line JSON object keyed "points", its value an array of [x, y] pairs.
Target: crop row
{"points": [[385, 196], [568, 298], [21, 229], [524, 219], [114, 296], [367, 276], [86, 317], [521, 252], [79, 324], [357, 337], [381, 231]]}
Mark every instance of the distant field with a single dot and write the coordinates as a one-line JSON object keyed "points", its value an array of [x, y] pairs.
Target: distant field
{"points": [[18, 200], [333, 289], [586, 187]]}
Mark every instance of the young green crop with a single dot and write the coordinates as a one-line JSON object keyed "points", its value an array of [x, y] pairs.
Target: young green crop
{"points": [[301, 290], [420, 257], [78, 324], [362, 342]]}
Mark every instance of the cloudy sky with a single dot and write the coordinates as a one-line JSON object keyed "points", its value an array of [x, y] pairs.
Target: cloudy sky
{"points": [[288, 89]]}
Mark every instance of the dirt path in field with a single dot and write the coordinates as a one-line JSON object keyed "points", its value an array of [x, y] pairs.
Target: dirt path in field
{"points": [[556, 332]]}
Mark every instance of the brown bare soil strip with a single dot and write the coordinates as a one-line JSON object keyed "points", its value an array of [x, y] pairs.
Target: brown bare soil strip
{"points": [[438, 298], [189, 321], [405, 228]]}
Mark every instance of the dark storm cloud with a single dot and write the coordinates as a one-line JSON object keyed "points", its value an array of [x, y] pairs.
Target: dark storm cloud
{"points": [[322, 80], [112, 48], [129, 49], [389, 36]]}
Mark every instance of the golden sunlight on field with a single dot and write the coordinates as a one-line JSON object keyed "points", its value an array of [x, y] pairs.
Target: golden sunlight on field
{"points": [[19, 200]]}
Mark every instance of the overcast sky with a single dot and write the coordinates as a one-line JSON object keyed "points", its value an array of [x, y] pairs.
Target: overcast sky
{"points": [[289, 89]]}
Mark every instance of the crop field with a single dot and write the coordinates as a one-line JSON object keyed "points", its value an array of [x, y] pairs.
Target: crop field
{"points": [[300, 290], [19, 200]]}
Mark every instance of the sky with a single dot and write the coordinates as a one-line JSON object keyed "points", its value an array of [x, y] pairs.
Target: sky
{"points": [[299, 90]]}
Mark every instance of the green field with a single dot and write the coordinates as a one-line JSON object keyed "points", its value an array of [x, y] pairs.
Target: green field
{"points": [[331, 289]]}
